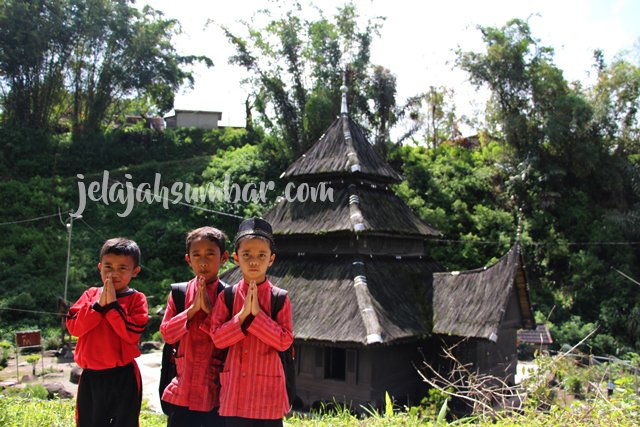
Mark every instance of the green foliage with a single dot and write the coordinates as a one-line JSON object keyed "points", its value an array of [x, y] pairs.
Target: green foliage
{"points": [[157, 336], [459, 193], [30, 391], [5, 353]]}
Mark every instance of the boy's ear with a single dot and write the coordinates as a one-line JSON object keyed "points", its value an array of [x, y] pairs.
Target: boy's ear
{"points": [[135, 271], [186, 256], [224, 257], [271, 259], [236, 259], [100, 267]]}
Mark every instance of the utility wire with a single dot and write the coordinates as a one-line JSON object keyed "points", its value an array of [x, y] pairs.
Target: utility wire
{"points": [[31, 219], [620, 272], [27, 311]]}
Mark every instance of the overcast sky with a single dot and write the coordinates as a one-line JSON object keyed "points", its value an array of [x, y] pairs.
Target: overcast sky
{"points": [[417, 41]]}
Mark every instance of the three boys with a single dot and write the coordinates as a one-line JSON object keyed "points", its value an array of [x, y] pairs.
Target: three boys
{"points": [[250, 391]]}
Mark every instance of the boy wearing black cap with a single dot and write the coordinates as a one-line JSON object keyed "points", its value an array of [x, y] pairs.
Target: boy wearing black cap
{"points": [[253, 383]]}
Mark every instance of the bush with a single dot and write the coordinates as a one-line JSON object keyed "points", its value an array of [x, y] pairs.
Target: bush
{"points": [[52, 342], [5, 349], [31, 391], [157, 336], [574, 384]]}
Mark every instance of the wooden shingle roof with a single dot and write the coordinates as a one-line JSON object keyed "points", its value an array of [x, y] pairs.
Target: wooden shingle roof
{"points": [[363, 207], [351, 301], [472, 303], [342, 152]]}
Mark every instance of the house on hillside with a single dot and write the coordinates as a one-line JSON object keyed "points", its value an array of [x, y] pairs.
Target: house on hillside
{"points": [[194, 118], [359, 278]]}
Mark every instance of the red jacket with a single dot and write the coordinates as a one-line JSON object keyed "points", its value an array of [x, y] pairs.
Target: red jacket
{"points": [[253, 382], [107, 336], [198, 363]]}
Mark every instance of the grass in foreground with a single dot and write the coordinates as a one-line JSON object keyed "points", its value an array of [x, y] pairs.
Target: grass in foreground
{"points": [[20, 412]]}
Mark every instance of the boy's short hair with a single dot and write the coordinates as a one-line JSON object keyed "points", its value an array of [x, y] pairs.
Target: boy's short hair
{"points": [[121, 246], [211, 233], [255, 228]]}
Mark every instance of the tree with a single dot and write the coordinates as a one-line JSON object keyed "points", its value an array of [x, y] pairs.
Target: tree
{"points": [[36, 41], [439, 117], [297, 65], [88, 57], [616, 97], [121, 53]]}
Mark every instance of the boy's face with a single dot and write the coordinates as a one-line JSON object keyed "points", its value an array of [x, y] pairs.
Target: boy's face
{"points": [[254, 257], [205, 259], [121, 268]]}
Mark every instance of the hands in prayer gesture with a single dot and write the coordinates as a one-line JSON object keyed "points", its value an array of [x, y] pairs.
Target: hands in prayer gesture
{"points": [[108, 292], [201, 301], [251, 303]]}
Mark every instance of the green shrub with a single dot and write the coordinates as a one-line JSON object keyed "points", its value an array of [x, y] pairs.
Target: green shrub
{"points": [[31, 391], [574, 384], [157, 336], [5, 349], [33, 359], [52, 342]]}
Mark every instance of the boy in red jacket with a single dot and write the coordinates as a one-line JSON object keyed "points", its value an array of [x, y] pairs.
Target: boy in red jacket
{"points": [[253, 383], [194, 392], [108, 322]]}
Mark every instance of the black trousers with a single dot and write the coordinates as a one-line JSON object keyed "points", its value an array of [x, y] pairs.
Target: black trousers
{"points": [[250, 422], [109, 397], [181, 416]]}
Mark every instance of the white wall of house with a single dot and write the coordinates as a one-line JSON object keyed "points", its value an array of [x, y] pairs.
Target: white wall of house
{"points": [[192, 118]]}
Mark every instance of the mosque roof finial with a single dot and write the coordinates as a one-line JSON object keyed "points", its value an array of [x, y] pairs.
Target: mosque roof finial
{"points": [[344, 89]]}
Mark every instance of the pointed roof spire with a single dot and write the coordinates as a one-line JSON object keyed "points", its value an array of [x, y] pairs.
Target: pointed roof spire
{"points": [[344, 89]]}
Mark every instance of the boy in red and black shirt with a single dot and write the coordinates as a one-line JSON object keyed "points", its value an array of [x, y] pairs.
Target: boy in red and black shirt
{"points": [[108, 322], [253, 390], [194, 392]]}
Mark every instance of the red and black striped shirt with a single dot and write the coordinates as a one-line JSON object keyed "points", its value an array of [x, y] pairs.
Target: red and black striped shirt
{"points": [[107, 336]]}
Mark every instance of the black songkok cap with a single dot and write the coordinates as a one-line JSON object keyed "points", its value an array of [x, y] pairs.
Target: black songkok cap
{"points": [[256, 227]]}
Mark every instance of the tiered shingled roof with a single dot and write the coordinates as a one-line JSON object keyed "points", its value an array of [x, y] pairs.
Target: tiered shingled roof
{"points": [[342, 152], [472, 303]]}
